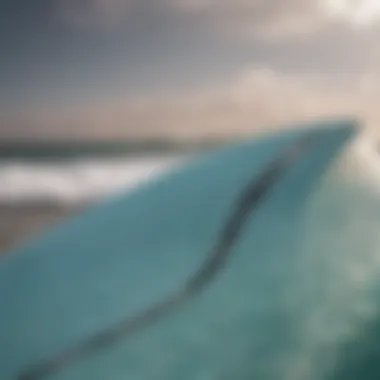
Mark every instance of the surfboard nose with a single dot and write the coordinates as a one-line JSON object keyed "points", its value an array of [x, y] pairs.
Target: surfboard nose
{"points": [[340, 128], [346, 128]]}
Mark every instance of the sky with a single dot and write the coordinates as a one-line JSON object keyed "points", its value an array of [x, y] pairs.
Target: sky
{"points": [[184, 68]]}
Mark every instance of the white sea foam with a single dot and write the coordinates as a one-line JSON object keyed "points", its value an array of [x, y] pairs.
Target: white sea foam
{"points": [[87, 179], [78, 181]]}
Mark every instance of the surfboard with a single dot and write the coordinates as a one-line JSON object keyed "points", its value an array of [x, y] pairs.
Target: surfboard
{"points": [[184, 278]]}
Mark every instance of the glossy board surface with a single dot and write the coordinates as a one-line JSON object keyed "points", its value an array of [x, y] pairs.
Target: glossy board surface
{"points": [[134, 251]]}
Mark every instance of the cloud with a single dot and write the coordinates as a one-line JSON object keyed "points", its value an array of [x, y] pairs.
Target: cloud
{"points": [[258, 18], [95, 13], [264, 19], [255, 99], [360, 13]]}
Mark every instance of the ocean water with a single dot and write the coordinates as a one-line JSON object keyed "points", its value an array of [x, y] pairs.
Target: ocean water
{"points": [[77, 181], [37, 194], [298, 300]]}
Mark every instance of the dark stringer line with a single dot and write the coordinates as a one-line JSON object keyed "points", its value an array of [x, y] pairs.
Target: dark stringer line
{"points": [[251, 197]]}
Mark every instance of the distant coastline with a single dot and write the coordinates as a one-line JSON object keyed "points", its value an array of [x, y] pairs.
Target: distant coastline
{"points": [[63, 150]]}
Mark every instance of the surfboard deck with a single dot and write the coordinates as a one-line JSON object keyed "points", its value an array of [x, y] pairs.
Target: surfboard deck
{"points": [[73, 301]]}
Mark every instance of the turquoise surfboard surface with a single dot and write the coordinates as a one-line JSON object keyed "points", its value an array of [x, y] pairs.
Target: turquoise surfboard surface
{"points": [[106, 295]]}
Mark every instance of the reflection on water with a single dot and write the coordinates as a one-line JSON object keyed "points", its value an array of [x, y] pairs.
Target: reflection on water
{"points": [[339, 269]]}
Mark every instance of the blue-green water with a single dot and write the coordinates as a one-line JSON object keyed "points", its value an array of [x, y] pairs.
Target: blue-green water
{"points": [[297, 300]]}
